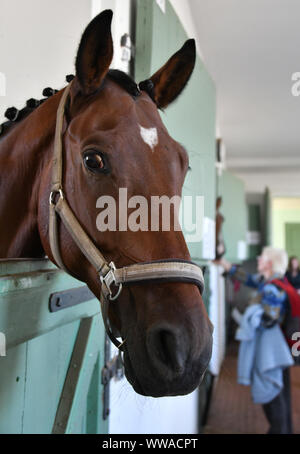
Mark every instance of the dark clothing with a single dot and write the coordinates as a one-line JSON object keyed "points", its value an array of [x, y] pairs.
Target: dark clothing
{"points": [[291, 323], [279, 412], [293, 280]]}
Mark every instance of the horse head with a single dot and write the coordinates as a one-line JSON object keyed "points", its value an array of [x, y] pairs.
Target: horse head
{"points": [[113, 137]]}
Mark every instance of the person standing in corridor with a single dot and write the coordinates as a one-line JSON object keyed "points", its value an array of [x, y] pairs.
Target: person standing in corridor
{"points": [[293, 273], [271, 267]]}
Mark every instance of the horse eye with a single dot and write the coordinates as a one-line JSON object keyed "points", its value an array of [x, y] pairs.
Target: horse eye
{"points": [[95, 162]]}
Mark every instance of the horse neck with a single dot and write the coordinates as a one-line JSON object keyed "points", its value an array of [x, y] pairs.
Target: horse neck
{"points": [[24, 151]]}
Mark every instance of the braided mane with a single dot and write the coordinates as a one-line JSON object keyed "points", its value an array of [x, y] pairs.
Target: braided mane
{"points": [[14, 115]]}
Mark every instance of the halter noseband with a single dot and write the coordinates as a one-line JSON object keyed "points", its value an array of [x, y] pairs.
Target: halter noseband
{"points": [[168, 270]]}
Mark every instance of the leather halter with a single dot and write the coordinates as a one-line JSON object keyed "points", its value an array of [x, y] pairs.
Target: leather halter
{"points": [[170, 270]]}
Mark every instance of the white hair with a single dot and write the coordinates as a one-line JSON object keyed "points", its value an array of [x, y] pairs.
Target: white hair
{"points": [[278, 257]]}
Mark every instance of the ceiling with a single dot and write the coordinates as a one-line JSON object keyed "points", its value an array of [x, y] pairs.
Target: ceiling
{"points": [[251, 49]]}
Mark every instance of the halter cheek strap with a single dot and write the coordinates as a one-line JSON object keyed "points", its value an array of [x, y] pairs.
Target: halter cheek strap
{"points": [[111, 278]]}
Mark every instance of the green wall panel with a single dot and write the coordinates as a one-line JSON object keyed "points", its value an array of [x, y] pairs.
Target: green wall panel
{"points": [[292, 235], [191, 118], [285, 210], [234, 210]]}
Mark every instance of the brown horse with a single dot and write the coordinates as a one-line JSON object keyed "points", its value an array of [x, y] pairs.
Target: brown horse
{"points": [[168, 334]]}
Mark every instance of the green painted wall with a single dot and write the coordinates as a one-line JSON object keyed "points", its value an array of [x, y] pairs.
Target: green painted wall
{"points": [[284, 210], [292, 236], [191, 118], [234, 210]]}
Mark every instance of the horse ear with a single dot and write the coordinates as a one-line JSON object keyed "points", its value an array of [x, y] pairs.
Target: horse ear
{"points": [[170, 80], [95, 53]]}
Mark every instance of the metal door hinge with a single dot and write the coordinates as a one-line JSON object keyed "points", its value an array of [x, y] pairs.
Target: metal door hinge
{"points": [[127, 48], [113, 368]]}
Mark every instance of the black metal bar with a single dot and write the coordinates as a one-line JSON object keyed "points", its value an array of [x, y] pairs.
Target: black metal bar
{"points": [[69, 298]]}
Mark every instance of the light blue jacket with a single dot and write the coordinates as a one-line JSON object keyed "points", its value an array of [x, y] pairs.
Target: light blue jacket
{"points": [[263, 354]]}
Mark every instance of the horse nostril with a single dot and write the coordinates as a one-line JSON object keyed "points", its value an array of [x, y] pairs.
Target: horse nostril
{"points": [[166, 350]]}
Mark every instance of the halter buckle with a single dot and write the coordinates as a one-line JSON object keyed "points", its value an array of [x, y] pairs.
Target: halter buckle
{"points": [[109, 279], [53, 194]]}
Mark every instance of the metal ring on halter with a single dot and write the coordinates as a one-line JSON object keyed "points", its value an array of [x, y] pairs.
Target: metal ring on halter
{"points": [[109, 279], [53, 194], [121, 344], [113, 298]]}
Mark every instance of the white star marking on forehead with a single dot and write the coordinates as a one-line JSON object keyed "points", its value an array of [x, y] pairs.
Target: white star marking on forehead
{"points": [[149, 136]]}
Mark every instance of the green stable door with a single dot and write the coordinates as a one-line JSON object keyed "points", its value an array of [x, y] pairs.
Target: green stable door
{"points": [[50, 376]]}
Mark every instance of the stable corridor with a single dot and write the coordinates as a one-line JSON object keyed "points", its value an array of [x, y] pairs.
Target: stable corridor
{"points": [[232, 410]]}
